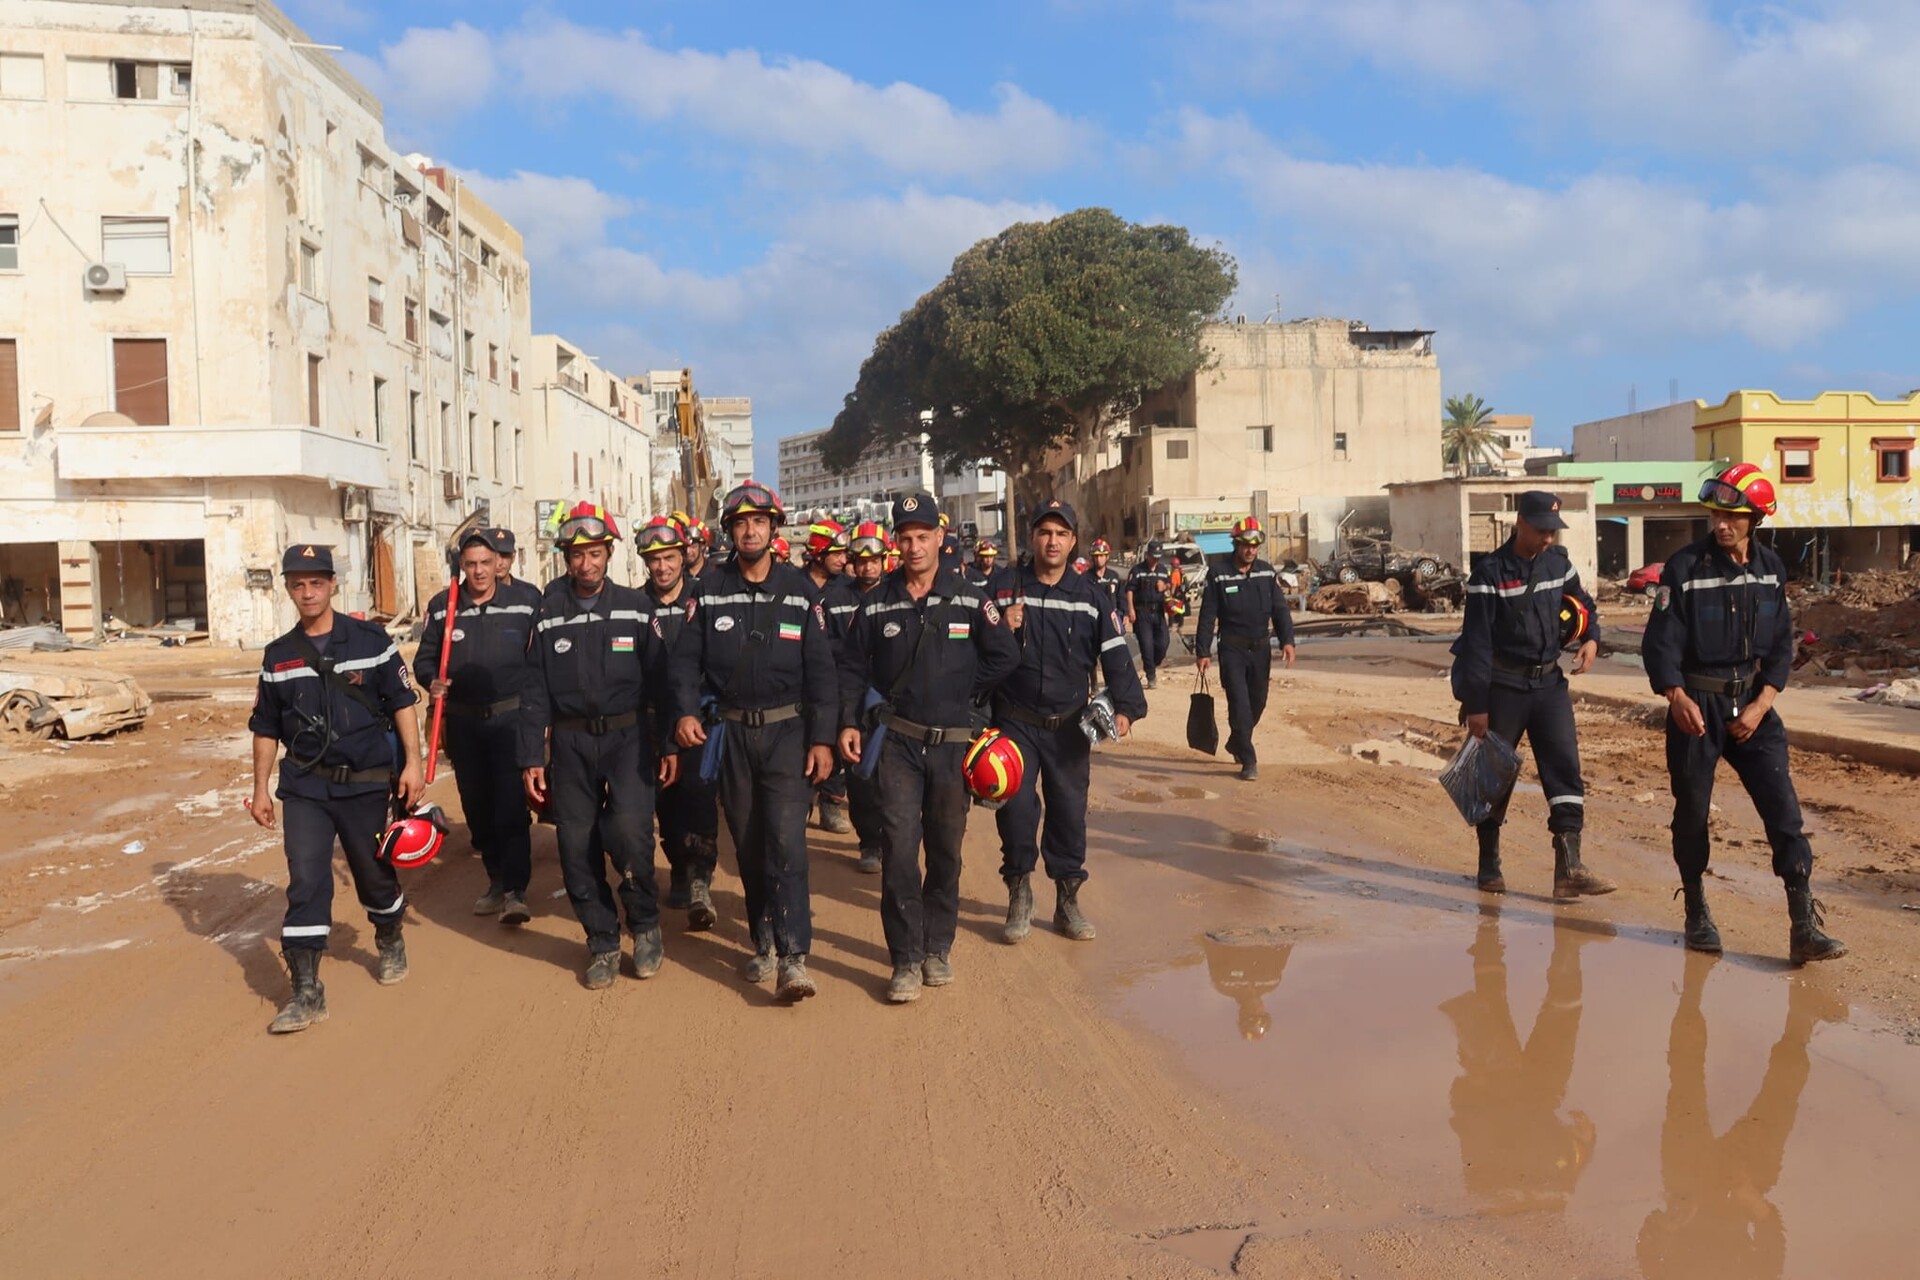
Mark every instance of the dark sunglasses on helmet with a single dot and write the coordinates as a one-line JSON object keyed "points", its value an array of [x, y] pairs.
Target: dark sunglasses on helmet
{"points": [[1718, 493]]}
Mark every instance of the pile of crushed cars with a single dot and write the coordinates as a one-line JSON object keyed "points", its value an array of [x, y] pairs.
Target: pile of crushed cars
{"points": [[1371, 574]]}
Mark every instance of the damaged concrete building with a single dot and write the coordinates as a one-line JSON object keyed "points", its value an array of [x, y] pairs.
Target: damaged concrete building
{"points": [[233, 318]]}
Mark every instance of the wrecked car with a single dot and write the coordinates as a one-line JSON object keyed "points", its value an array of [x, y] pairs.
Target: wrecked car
{"points": [[38, 703]]}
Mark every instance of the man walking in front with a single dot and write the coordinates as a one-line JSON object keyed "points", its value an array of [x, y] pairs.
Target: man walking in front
{"points": [[1719, 648], [931, 646], [335, 692], [1065, 629], [1508, 679], [1244, 600]]}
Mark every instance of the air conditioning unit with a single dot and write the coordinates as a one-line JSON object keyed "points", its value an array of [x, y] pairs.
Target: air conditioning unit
{"points": [[353, 505], [105, 277], [450, 486]]}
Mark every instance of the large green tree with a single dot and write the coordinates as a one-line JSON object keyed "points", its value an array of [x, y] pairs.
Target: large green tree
{"points": [[1042, 333], [1465, 437]]}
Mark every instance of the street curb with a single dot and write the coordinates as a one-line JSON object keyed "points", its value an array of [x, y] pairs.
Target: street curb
{"points": [[1887, 755]]}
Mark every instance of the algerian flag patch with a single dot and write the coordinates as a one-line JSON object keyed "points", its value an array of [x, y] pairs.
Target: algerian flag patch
{"points": [[789, 631]]}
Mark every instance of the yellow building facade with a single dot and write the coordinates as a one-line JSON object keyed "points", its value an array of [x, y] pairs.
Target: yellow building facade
{"points": [[1841, 464]]}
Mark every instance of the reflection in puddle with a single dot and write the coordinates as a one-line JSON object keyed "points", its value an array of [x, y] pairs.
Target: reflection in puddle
{"points": [[1244, 965]]}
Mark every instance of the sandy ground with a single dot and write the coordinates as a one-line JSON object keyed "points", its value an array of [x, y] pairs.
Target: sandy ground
{"points": [[1302, 1046]]}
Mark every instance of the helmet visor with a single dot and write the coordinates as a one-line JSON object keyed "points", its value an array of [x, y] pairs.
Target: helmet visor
{"points": [[585, 529], [1250, 537], [751, 497], [1718, 493]]}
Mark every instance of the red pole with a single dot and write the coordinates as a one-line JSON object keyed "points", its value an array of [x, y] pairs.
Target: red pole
{"points": [[446, 654]]}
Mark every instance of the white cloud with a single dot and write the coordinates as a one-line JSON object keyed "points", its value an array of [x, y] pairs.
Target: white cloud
{"points": [[1660, 73], [430, 73]]}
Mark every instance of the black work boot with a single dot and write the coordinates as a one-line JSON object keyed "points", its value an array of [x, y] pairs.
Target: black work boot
{"points": [[309, 1002], [700, 913], [1068, 919], [904, 988], [1249, 771], [603, 969], [393, 953], [869, 863], [679, 892], [1808, 941], [1019, 908], [1488, 878], [648, 952], [833, 817], [1571, 879], [1701, 933]]}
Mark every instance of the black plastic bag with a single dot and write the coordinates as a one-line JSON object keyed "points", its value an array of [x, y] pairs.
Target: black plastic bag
{"points": [[1479, 775], [1203, 732]]}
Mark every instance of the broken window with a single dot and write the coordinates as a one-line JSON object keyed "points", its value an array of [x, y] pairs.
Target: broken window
{"points": [[493, 362], [376, 303], [379, 411], [466, 242], [1340, 444], [373, 171], [23, 75], [442, 335], [141, 245], [9, 242], [489, 256], [438, 220], [135, 80], [1260, 439]]}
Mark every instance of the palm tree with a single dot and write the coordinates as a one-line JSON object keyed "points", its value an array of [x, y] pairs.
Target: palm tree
{"points": [[1465, 437]]}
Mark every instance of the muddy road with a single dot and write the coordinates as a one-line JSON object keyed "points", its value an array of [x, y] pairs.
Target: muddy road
{"points": [[1302, 1045]]}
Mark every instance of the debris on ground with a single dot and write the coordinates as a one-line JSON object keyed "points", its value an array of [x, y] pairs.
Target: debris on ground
{"points": [[1897, 693], [1865, 630], [37, 703], [1356, 597], [42, 637]]}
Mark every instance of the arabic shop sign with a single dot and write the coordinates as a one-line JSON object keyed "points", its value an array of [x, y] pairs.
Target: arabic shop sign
{"points": [[1649, 493]]}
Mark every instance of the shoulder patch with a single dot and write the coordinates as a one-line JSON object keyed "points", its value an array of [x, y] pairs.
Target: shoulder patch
{"points": [[406, 675], [1663, 599], [991, 610]]}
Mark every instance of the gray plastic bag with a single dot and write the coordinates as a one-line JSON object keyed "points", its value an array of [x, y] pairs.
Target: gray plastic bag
{"points": [[1479, 775]]}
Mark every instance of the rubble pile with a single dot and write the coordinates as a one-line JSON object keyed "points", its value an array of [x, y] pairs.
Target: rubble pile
{"points": [[1356, 597], [1867, 627]]}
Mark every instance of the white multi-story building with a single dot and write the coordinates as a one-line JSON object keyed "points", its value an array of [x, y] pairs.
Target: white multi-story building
{"points": [[730, 431], [977, 496], [598, 448], [881, 475]]}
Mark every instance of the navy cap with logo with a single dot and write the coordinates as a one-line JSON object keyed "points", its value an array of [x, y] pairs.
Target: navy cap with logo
{"points": [[307, 558], [1541, 510], [917, 507], [1054, 509], [1155, 550], [499, 541]]}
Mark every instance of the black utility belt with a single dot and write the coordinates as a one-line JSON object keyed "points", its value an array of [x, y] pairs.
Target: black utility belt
{"points": [[756, 717], [1049, 723], [598, 726], [1724, 686], [926, 735], [343, 774], [1248, 644], [485, 710], [1530, 671]]}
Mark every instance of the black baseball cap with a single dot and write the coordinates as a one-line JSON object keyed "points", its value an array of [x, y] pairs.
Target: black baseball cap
{"points": [[1054, 509], [917, 507], [1154, 548], [499, 541], [1541, 510], [307, 558]]}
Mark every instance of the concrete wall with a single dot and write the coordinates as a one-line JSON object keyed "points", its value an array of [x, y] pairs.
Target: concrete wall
{"points": [[1651, 435], [1462, 519], [588, 440]]}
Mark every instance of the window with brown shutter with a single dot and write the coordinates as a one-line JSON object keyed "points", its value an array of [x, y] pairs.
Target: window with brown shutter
{"points": [[313, 391], [9, 385], [140, 380]]}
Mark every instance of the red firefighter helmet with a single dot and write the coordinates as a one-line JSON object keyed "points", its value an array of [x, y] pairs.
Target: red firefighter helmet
{"points": [[1576, 621], [824, 536], [1248, 531], [1081, 564], [869, 541], [1741, 487], [781, 548], [584, 524], [662, 533], [1176, 606], [993, 766], [415, 839], [751, 497], [1100, 547]]}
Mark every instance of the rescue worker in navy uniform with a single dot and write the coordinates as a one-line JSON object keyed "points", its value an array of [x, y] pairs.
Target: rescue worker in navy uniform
{"points": [[866, 560], [826, 557], [986, 557], [757, 644], [486, 673], [1107, 579], [1719, 648], [1507, 676], [1148, 587], [689, 810], [1243, 598], [932, 647], [588, 733], [1065, 630], [335, 692]]}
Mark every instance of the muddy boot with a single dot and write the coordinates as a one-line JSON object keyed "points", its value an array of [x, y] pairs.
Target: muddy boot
{"points": [[679, 894], [1701, 933], [648, 952], [700, 913], [936, 971], [1488, 878], [833, 817], [309, 1002], [393, 953], [603, 969], [869, 863], [760, 966], [1068, 919], [1019, 908], [514, 909], [1571, 878], [1808, 941], [1249, 771], [490, 902], [905, 987], [795, 984]]}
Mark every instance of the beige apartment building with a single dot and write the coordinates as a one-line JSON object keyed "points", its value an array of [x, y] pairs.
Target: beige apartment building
{"points": [[1301, 422], [596, 430], [232, 318]]}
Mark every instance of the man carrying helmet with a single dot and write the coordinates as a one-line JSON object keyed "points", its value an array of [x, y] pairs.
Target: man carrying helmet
{"points": [[487, 672], [866, 564], [826, 557], [1065, 629], [1148, 588], [1507, 676], [1243, 598], [931, 647], [689, 810], [986, 557], [1719, 647], [756, 652], [335, 691], [589, 728]]}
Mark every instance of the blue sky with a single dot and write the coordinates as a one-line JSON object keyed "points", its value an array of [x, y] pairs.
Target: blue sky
{"points": [[1581, 197]]}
